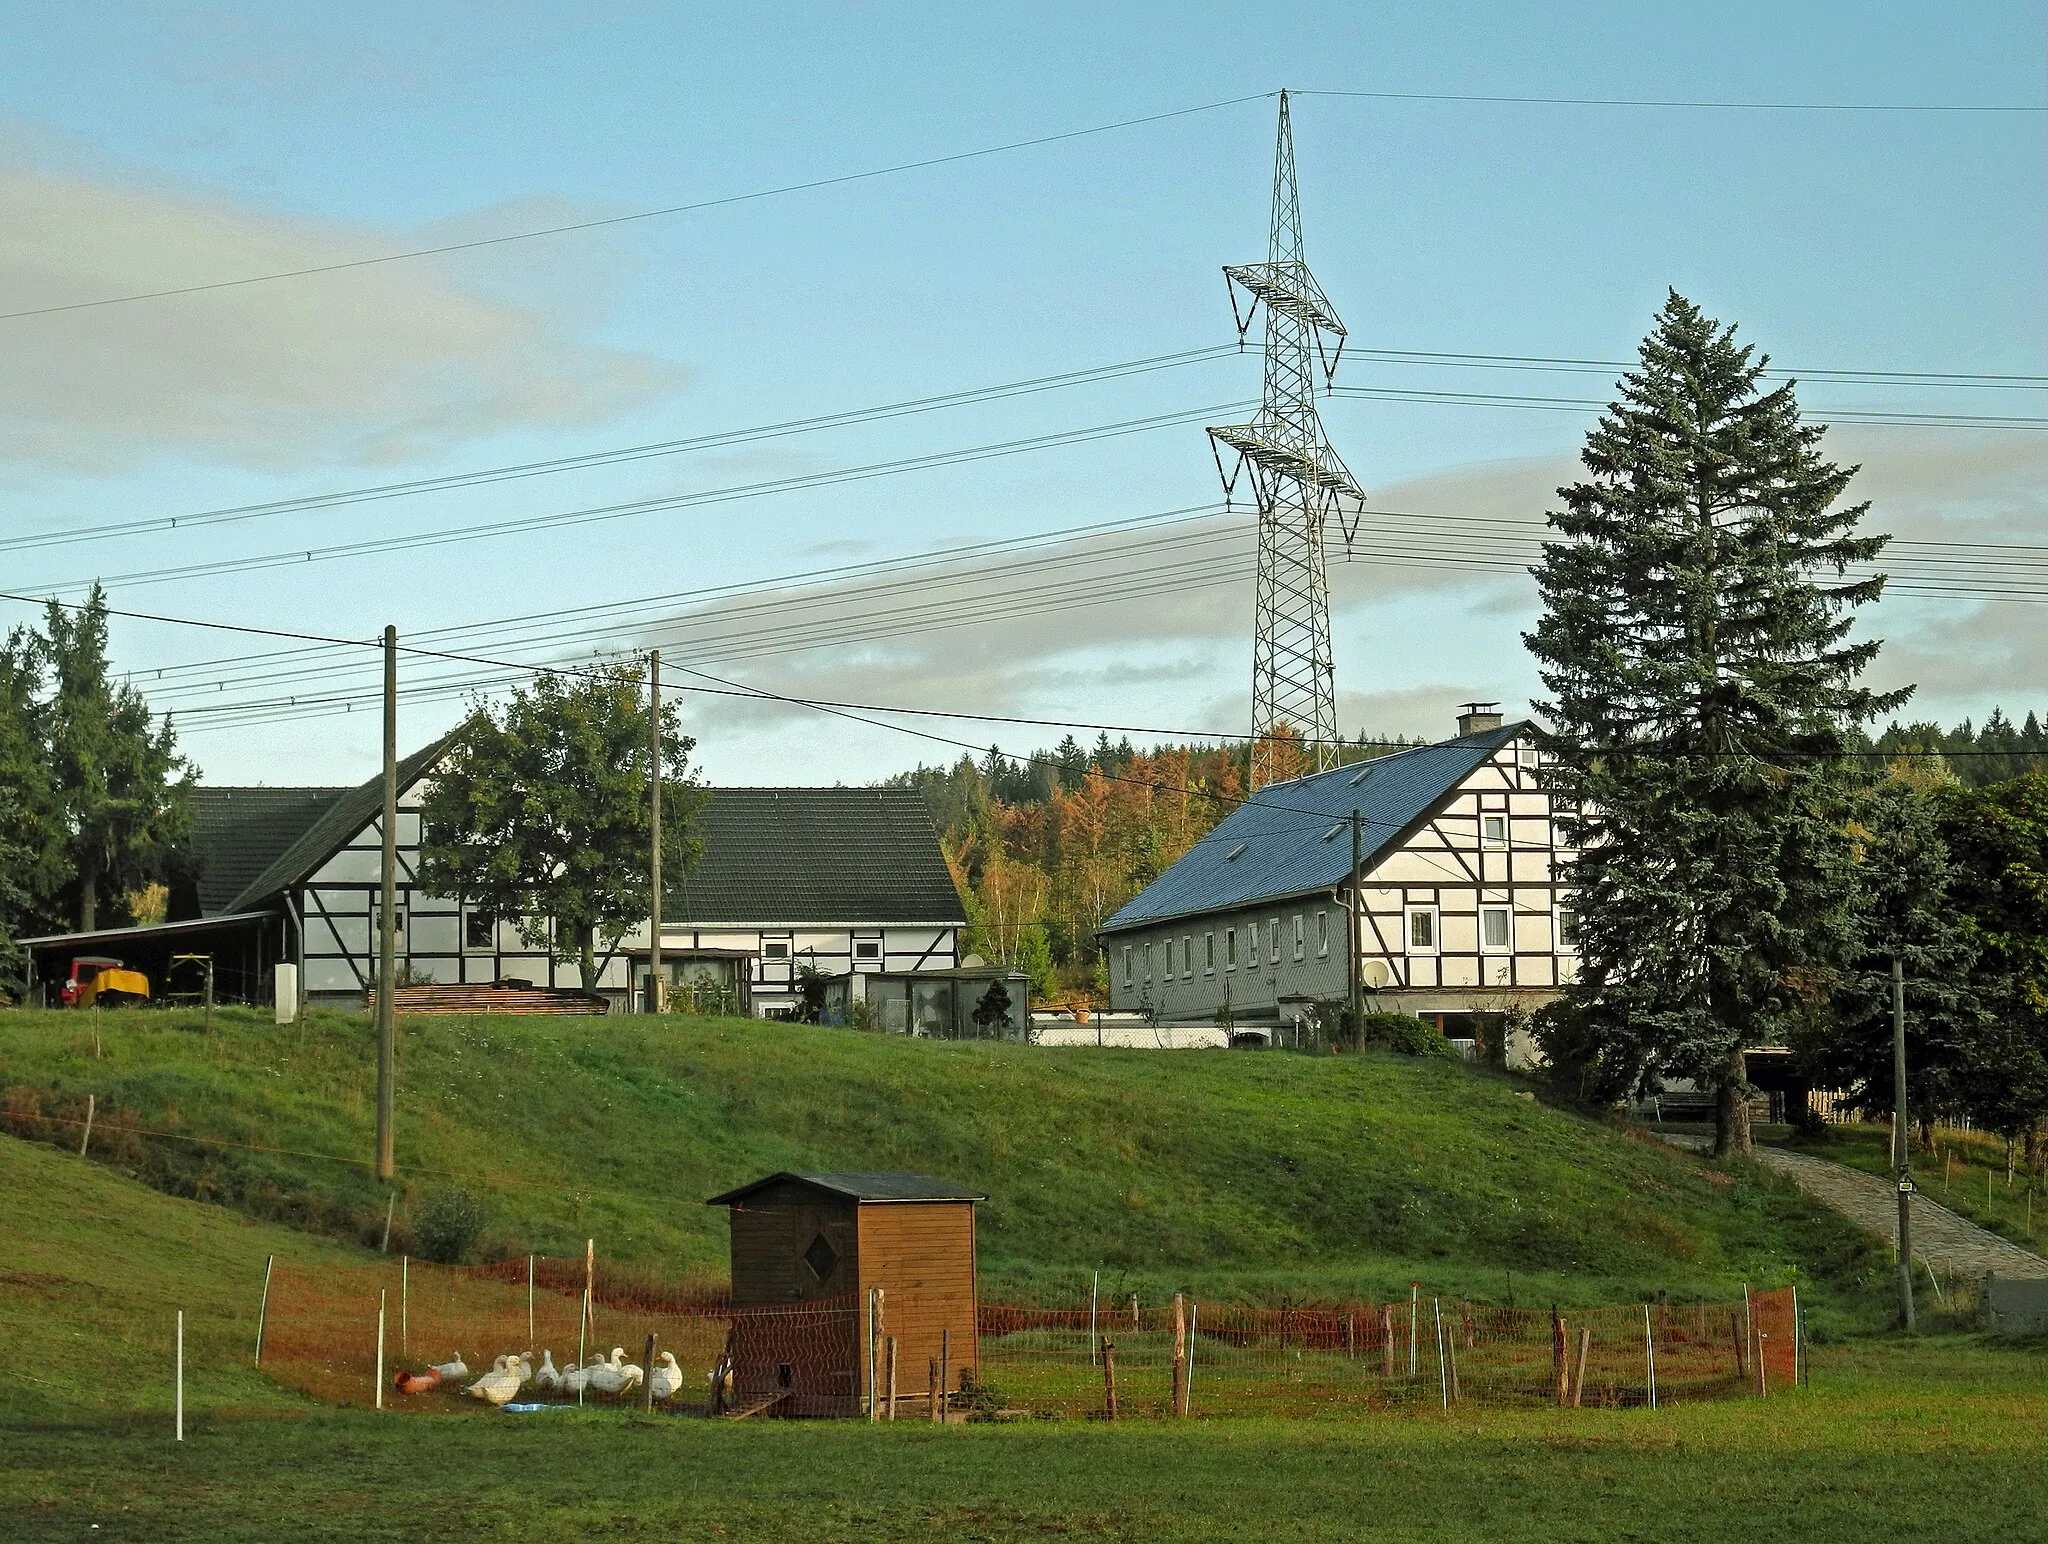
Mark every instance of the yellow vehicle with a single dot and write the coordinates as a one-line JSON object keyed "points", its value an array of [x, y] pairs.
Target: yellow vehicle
{"points": [[97, 979]]}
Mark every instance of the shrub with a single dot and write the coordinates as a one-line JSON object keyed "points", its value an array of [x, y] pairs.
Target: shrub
{"points": [[448, 1226], [1406, 1034]]}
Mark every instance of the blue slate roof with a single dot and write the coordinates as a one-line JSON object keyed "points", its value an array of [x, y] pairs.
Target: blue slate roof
{"points": [[1282, 841]]}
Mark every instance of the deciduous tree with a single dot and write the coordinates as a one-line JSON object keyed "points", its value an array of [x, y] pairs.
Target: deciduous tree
{"points": [[541, 812]]}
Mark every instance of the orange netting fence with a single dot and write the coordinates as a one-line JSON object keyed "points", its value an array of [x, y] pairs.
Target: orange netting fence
{"points": [[321, 1334], [1297, 1361]]}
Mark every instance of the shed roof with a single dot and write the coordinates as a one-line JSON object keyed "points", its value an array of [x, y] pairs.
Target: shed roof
{"points": [[866, 1187], [240, 832], [1294, 838], [783, 855]]}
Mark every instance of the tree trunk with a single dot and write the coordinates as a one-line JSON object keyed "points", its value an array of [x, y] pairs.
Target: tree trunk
{"points": [[586, 954], [1731, 1108], [88, 889]]}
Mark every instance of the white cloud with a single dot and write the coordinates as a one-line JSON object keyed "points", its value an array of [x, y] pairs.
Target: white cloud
{"points": [[370, 365]]}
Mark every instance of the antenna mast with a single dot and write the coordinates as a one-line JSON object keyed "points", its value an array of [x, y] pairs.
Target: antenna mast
{"points": [[1298, 481]]}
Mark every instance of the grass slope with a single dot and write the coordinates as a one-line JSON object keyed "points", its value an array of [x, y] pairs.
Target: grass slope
{"points": [[93, 1270], [1265, 1174], [1931, 1439]]}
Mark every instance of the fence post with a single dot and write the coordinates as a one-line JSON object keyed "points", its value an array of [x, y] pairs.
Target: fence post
{"points": [[892, 1377], [1387, 1340], [380, 1348], [263, 1307], [1650, 1355], [1187, 1392], [180, 1377], [647, 1375], [1179, 1381], [1414, 1308], [1456, 1392], [1465, 1312], [932, 1386], [1579, 1378], [405, 1307], [529, 1302], [1560, 1365], [945, 1367], [1134, 1313], [1443, 1377], [1351, 1337], [582, 1336], [1094, 1294], [1109, 1375], [91, 1103]]}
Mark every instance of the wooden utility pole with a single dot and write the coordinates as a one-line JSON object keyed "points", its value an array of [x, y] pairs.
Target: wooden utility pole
{"points": [[657, 993], [387, 921], [1902, 1161], [1355, 952]]}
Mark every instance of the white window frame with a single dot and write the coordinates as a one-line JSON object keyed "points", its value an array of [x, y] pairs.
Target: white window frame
{"points": [[776, 951], [1300, 937], [1436, 929], [1493, 830], [1564, 923], [1230, 948], [1187, 956], [1273, 938], [867, 949], [1208, 954], [1322, 935], [1506, 912], [1128, 977], [478, 914]]}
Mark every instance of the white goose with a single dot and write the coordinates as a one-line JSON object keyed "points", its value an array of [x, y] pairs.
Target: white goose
{"points": [[667, 1381], [501, 1382], [452, 1370], [611, 1377], [547, 1377], [576, 1379]]}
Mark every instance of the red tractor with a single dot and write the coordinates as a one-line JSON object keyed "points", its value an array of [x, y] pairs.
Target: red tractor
{"points": [[98, 980]]}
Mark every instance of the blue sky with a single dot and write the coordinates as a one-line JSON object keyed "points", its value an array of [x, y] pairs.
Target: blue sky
{"points": [[148, 147]]}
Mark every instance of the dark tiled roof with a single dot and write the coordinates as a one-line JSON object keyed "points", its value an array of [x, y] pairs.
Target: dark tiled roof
{"points": [[1281, 841], [239, 832], [793, 855], [332, 829], [871, 1185]]}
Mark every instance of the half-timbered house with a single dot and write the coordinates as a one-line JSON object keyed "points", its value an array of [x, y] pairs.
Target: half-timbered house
{"points": [[1460, 904]]}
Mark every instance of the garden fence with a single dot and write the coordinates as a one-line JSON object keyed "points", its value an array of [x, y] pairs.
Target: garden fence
{"points": [[321, 1334]]}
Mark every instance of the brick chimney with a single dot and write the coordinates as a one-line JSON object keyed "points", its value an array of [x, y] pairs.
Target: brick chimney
{"points": [[1478, 717]]}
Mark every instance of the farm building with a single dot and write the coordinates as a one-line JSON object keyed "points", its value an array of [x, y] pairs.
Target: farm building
{"points": [[840, 880], [816, 1238], [1461, 908]]}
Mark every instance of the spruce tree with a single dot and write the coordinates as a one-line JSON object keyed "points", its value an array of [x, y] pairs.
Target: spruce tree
{"points": [[1907, 909], [122, 793], [1703, 687]]}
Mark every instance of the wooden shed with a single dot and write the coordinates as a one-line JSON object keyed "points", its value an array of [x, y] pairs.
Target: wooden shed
{"points": [[816, 1238]]}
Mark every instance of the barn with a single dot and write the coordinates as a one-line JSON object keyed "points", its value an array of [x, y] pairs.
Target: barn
{"points": [[818, 1238]]}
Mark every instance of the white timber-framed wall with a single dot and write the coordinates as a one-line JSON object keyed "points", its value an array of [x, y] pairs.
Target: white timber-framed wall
{"points": [[1465, 908]]}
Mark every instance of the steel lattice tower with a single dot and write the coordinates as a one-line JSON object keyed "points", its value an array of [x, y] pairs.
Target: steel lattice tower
{"points": [[1298, 482]]}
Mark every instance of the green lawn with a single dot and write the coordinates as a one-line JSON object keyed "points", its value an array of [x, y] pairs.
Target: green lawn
{"points": [[1243, 1175], [1935, 1441], [1939, 1438], [1966, 1174]]}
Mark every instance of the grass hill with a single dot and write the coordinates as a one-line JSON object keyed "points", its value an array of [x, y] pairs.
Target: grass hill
{"points": [[1261, 1175]]}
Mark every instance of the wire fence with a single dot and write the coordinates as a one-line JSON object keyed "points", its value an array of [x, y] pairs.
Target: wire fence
{"points": [[550, 1332], [1300, 1361]]}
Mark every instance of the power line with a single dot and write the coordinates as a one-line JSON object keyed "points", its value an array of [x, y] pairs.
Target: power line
{"points": [[605, 512], [1665, 102], [235, 514], [808, 186]]}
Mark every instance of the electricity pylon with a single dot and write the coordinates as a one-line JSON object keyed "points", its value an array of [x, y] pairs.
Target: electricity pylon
{"points": [[1298, 482]]}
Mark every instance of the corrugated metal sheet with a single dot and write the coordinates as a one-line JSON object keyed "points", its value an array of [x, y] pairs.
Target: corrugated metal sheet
{"points": [[1292, 838]]}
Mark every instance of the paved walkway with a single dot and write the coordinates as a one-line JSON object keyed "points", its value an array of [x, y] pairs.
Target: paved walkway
{"points": [[1950, 1243]]}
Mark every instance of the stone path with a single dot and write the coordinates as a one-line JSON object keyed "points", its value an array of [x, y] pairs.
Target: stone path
{"points": [[1950, 1243]]}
